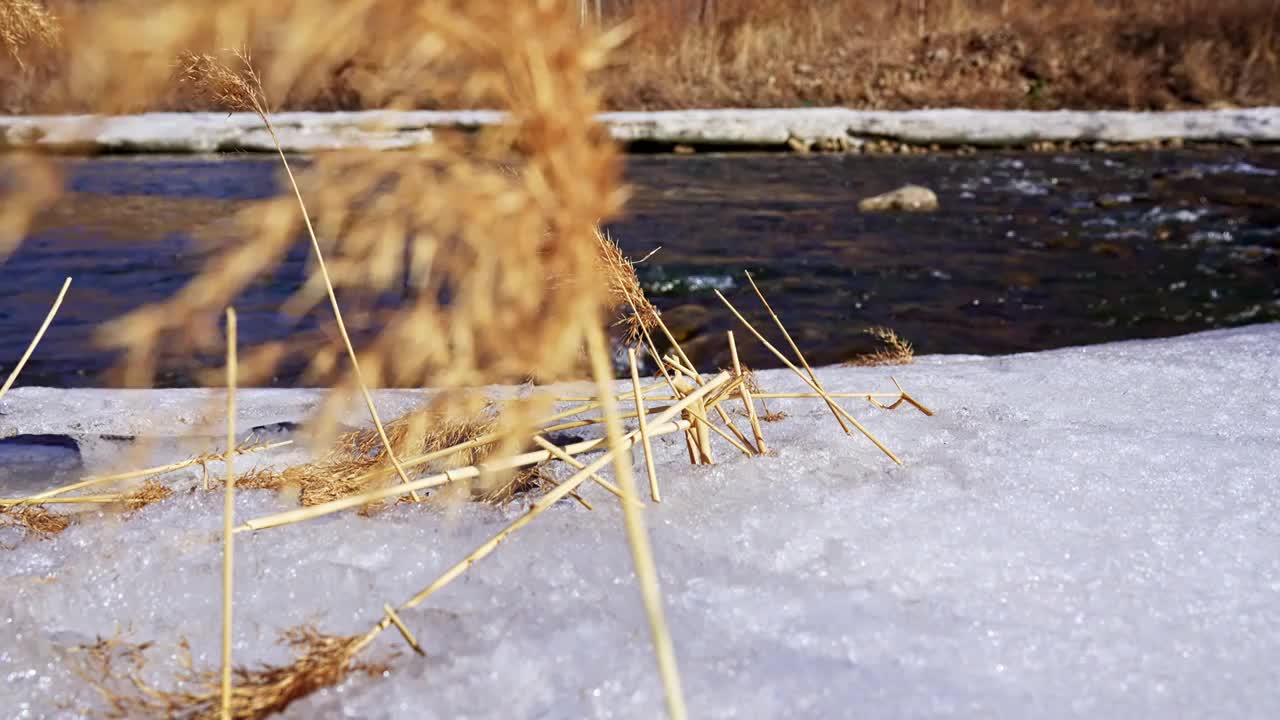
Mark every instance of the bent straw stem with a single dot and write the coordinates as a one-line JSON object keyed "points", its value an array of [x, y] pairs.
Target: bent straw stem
{"points": [[745, 394], [48, 320], [645, 444]]}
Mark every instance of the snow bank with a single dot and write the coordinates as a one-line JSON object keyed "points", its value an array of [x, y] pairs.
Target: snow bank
{"points": [[1089, 532], [390, 130]]}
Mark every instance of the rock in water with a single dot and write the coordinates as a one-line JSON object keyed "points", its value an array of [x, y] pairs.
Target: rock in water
{"points": [[908, 198]]}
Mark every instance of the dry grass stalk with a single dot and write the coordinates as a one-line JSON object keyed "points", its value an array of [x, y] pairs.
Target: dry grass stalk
{"points": [[751, 382], [643, 426], [303, 514], [742, 442], [813, 378], [637, 535], [113, 668], [830, 403], [903, 397], [745, 393], [897, 350], [48, 319], [228, 516], [404, 629]]}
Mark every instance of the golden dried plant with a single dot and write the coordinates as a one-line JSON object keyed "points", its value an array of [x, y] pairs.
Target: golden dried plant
{"points": [[471, 260], [896, 351], [23, 22], [39, 522]]}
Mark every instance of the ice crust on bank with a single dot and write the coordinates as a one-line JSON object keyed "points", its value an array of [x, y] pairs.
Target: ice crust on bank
{"points": [[727, 127], [1089, 532]]}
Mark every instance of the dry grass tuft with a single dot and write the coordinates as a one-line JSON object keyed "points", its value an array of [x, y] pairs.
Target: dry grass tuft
{"points": [[149, 492], [113, 668], [37, 521], [897, 350], [635, 313], [752, 382]]}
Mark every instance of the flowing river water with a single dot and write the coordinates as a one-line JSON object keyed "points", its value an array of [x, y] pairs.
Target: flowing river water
{"points": [[1027, 252]]}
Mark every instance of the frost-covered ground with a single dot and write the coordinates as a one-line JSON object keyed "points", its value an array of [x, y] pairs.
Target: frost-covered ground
{"points": [[1080, 533]]}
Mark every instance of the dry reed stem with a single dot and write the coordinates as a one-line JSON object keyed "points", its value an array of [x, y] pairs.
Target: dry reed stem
{"points": [[783, 358], [78, 500], [745, 393], [328, 286], [640, 304], [643, 423], [48, 319], [697, 414], [41, 497], [817, 384], [637, 535], [228, 515]]}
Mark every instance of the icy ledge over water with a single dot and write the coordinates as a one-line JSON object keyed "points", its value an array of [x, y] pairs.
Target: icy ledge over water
{"points": [[779, 128], [1090, 532]]}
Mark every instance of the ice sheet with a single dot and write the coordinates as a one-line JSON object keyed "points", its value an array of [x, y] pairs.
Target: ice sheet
{"points": [[1090, 532]]}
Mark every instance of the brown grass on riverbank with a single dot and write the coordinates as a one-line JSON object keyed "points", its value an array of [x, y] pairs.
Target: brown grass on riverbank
{"points": [[1157, 54], [1141, 54]]}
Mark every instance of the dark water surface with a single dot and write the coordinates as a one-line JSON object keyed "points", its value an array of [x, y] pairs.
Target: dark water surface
{"points": [[1028, 252]]}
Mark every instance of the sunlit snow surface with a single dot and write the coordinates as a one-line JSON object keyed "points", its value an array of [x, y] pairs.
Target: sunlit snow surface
{"points": [[1081, 533]]}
